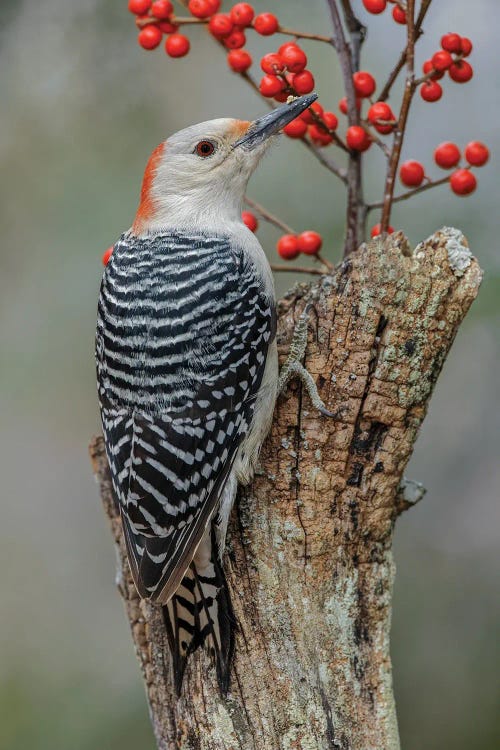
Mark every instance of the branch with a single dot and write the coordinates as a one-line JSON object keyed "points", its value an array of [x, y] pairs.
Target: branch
{"points": [[384, 94], [309, 560], [411, 193], [355, 213], [357, 32], [403, 117]]}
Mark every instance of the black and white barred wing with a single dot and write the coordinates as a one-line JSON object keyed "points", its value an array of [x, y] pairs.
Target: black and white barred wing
{"points": [[183, 333]]}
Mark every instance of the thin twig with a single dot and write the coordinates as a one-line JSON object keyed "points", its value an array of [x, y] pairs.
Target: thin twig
{"points": [[384, 94], [341, 172], [306, 35], [411, 193], [403, 117], [268, 216], [297, 269], [355, 200]]}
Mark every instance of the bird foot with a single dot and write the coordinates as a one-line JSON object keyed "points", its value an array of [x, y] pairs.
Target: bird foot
{"points": [[293, 368]]}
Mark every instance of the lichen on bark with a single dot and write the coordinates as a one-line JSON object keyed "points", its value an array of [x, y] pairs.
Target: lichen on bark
{"points": [[309, 554]]}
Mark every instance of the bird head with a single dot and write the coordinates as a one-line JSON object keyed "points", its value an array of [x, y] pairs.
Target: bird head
{"points": [[198, 176]]}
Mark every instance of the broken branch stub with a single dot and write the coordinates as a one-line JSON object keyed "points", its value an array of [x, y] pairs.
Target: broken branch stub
{"points": [[309, 560]]}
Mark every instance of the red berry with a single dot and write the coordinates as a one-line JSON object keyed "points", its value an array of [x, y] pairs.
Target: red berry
{"points": [[167, 27], [463, 182], [303, 82], [447, 155], [242, 14], [288, 247], [377, 229], [466, 46], [309, 242], [357, 138], [380, 111], [307, 115], [285, 46], [200, 8], [431, 91], [461, 71], [441, 61], [294, 58], [162, 9], [343, 105], [107, 255], [150, 37], [239, 60], [377, 114], [452, 43], [214, 5], [271, 85], [477, 153], [248, 218], [235, 40], [411, 173], [177, 45], [364, 83], [319, 135], [331, 120], [399, 15], [428, 67], [375, 6], [271, 63], [139, 7], [296, 128], [266, 24], [281, 97], [220, 25]]}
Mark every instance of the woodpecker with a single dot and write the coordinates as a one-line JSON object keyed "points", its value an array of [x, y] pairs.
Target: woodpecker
{"points": [[187, 372]]}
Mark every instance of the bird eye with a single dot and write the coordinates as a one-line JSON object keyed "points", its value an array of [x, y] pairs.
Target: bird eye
{"points": [[205, 148]]}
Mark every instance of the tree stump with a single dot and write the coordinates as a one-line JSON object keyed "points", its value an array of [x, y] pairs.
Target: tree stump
{"points": [[309, 560]]}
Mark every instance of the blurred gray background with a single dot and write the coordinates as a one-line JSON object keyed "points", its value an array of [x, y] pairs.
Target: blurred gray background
{"points": [[82, 106]]}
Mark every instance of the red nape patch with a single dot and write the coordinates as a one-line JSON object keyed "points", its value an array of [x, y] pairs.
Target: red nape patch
{"points": [[146, 204]]}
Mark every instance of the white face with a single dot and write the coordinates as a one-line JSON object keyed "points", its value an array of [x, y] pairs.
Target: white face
{"points": [[197, 177]]}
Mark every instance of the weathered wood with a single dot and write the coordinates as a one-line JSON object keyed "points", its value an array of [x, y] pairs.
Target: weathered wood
{"points": [[309, 558]]}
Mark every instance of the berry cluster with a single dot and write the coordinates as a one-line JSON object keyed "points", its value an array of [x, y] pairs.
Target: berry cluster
{"points": [[289, 246], [285, 74], [450, 59], [447, 156]]}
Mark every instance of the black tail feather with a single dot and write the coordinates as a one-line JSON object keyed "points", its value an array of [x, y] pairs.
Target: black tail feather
{"points": [[200, 614]]}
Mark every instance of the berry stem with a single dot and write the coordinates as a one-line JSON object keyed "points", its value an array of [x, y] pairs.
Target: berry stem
{"points": [[411, 193], [384, 94], [378, 141], [403, 116], [306, 35]]}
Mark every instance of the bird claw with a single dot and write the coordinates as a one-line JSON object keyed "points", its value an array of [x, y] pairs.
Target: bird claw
{"points": [[294, 368]]}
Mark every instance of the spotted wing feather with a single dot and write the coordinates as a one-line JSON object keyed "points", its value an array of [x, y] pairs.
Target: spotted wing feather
{"points": [[182, 338]]}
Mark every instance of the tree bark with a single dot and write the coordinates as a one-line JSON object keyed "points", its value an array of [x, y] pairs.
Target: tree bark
{"points": [[309, 560]]}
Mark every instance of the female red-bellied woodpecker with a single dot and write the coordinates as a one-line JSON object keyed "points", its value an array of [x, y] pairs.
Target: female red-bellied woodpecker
{"points": [[188, 371]]}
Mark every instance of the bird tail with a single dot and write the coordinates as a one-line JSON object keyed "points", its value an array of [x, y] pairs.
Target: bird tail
{"points": [[200, 614]]}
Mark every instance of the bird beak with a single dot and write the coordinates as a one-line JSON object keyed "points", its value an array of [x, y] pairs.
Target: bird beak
{"points": [[267, 125]]}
